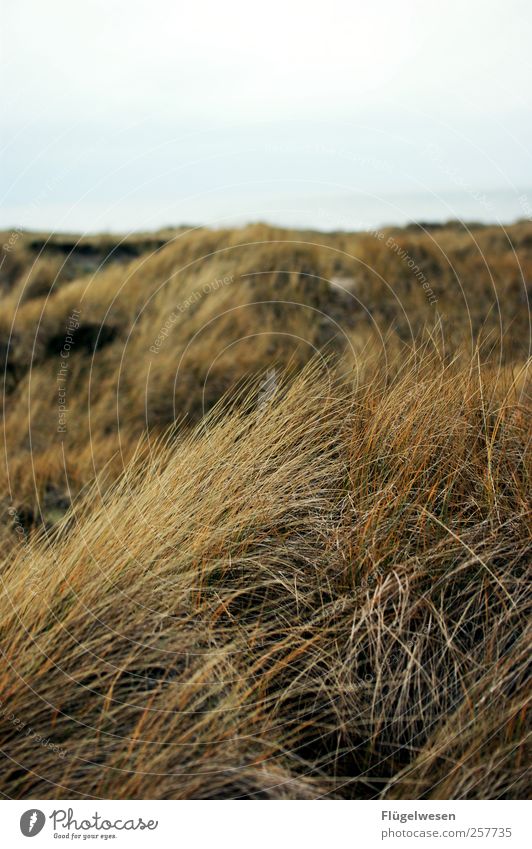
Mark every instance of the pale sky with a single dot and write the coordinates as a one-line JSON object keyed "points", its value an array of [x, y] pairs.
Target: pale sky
{"points": [[133, 114]]}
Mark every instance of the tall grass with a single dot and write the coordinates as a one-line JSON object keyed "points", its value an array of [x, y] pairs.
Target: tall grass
{"points": [[279, 549], [323, 595]]}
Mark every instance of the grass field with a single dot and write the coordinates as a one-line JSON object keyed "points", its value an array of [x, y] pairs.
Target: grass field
{"points": [[266, 513]]}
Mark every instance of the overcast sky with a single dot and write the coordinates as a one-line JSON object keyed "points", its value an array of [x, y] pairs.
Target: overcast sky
{"points": [[140, 113]]}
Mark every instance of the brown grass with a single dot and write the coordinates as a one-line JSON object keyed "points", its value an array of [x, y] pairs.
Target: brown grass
{"points": [[320, 594]]}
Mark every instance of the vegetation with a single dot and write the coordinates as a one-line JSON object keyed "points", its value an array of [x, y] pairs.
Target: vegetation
{"points": [[266, 514]]}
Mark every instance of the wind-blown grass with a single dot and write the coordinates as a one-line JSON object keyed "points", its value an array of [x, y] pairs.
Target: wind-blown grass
{"points": [[320, 595]]}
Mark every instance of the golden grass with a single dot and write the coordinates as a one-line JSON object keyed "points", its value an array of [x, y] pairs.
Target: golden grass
{"points": [[318, 591]]}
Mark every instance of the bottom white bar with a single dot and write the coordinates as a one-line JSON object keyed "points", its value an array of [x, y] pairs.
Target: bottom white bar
{"points": [[272, 825]]}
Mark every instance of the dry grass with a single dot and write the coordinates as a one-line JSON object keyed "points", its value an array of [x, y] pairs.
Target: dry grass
{"points": [[323, 593]]}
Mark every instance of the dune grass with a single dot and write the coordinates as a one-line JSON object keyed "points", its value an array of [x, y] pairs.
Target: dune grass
{"points": [[315, 591]]}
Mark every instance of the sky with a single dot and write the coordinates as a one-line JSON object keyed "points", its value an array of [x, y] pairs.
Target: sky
{"points": [[128, 115]]}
